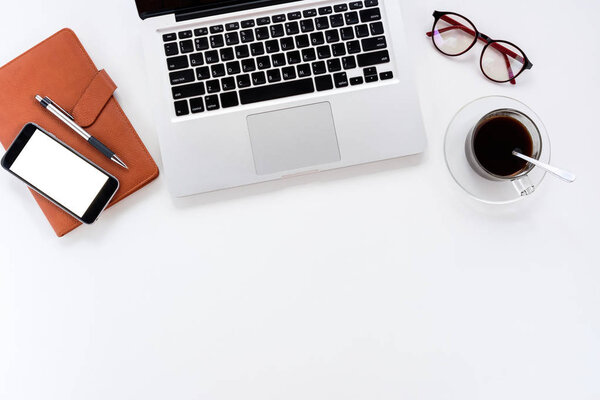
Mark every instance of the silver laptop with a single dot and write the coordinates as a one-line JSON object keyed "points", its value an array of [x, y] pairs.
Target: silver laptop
{"points": [[246, 91]]}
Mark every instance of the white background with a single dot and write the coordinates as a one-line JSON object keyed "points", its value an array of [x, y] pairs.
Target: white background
{"points": [[381, 281]]}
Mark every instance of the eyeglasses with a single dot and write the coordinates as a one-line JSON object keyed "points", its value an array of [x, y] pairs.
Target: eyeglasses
{"points": [[500, 61]]}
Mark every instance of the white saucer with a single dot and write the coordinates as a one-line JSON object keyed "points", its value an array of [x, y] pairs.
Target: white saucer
{"points": [[487, 191]]}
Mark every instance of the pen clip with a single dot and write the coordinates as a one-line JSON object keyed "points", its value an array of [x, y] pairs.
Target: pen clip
{"points": [[49, 100]]}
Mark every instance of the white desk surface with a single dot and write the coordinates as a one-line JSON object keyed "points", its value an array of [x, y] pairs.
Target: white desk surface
{"points": [[381, 281]]}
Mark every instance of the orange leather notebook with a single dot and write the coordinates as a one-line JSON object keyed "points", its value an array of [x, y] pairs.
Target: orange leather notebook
{"points": [[60, 68]]}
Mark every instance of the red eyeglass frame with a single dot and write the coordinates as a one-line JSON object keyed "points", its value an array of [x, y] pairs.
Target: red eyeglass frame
{"points": [[496, 44]]}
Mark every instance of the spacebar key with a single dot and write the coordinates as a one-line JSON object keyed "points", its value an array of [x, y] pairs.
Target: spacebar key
{"points": [[277, 91], [374, 58]]}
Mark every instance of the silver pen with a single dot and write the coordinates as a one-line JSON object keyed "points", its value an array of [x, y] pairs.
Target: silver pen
{"points": [[65, 117]]}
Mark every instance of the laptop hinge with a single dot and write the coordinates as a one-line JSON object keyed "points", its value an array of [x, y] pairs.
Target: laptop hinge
{"points": [[227, 7]]}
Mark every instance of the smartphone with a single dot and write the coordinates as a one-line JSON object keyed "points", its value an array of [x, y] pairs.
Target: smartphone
{"points": [[59, 173]]}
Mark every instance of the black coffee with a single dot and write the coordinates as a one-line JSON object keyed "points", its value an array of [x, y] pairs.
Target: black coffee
{"points": [[494, 140]]}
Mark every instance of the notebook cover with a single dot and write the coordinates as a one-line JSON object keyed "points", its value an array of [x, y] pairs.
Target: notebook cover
{"points": [[60, 68]]}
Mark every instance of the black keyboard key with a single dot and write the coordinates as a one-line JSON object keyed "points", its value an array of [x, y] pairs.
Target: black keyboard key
{"points": [[375, 43], [218, 70], [213, 86], [169, 37], [262, 33], [287, 43], [211, 56], [233, 68], [332, 36], [201, 43], [361, 30], [277, 91], [181, 108], [248, 65], [302, 41], [197, 105], [356, 81], [279, 18], [371, 3], [294, 15], [184, 76], [227, 54], [323, 52], [317, 38], [186, 46], [325, 10], [340, 8], [347, 33], [228, 83], [232, 38], [171, 49], [263, 21], [258, 78], [232, 26], [272, 46], [212, 102], [353, 47], [373, 58], [371, 78], [216, 41], [334, 65], [202, 73], [291, 28], [370, 15], [191, 90], [351, 18], [322, 23], [247, 36], [336, 20], [242, 51], [386, 75], [277, 31], [278, 60], [369, 71], [340, 80], [376, 28], [201, 32], [307, 25], [309, 13], [273, 76], [319, 67], [229, 100], [355, 5], [303, 70], [257, 49], [185, 35], [179, 62], [216, 29], [293, 57], [243, 81], [288, 73], [263, 62], [338, 49], [323, 82], [349, 62], [249, 23], [309, 55]]}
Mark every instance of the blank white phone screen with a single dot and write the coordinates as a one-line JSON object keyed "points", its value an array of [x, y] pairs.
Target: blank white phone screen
{"points": [[59, 173]]}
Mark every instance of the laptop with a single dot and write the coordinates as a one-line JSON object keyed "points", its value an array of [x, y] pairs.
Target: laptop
{"points": [[247, 91]]}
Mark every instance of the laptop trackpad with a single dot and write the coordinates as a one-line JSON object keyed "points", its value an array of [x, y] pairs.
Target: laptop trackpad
{"points": [[293, 138]]}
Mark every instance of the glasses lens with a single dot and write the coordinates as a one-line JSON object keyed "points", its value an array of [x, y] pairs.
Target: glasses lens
{"points": [[453, 35], [501, 61]]}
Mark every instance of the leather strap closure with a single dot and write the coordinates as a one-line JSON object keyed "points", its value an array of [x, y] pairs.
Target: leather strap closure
{"points": [[93, 99]]}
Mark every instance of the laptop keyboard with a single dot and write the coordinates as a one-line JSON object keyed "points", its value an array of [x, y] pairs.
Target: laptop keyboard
{"points": [[276, 56]]}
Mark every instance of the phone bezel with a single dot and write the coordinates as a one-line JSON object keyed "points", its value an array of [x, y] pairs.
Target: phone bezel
{"points": [[102, 198]]}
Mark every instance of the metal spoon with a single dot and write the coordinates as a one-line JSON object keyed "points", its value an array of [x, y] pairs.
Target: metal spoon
{"points": [[561, 173]]}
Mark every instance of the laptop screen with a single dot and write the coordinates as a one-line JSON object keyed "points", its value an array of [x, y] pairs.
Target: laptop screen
{"points": [[152, 8]]}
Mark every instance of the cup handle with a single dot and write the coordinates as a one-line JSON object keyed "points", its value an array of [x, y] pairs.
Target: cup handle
{"points": [[523, 185]]}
